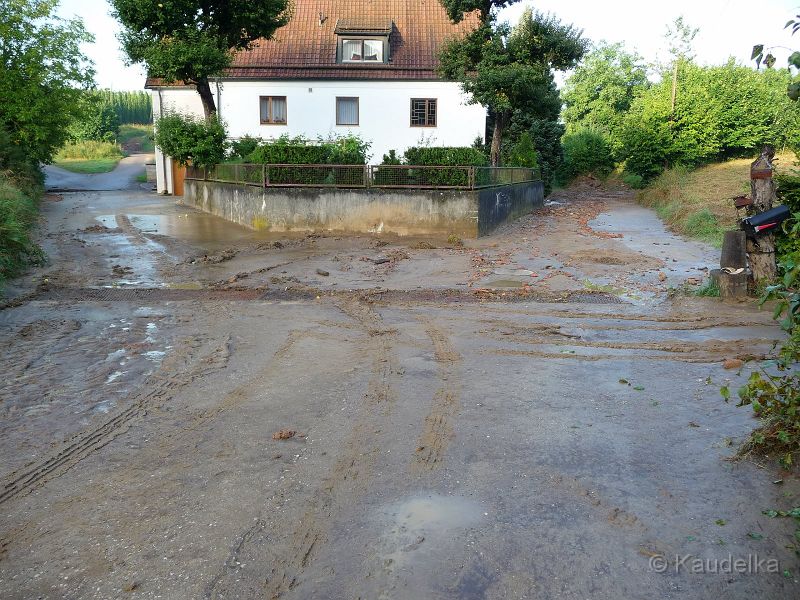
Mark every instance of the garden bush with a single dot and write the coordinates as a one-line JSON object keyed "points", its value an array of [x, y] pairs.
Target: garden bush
{"points": [[18, 212], [441, 157], [523, 153], [190, 140], [585, 152], [242, 148]]}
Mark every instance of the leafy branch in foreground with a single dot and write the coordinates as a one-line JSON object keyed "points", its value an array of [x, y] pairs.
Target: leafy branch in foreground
{"points": [[769, 60], [775, 396]]}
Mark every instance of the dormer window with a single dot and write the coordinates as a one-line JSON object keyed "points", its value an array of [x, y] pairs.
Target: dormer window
{"points": [[363, 40], [362, 50]]}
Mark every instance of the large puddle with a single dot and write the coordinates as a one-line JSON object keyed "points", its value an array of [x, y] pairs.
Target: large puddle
{"points": [[190, 226]]}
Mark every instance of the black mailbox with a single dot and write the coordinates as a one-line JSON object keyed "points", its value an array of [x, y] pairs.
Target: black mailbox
{"points": [[766, 221]]}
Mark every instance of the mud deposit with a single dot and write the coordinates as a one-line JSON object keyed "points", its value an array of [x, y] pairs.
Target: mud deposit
{"points": [[194, 410]]}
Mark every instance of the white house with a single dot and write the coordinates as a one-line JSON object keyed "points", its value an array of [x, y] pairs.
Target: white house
{"points": [[340, 67]]}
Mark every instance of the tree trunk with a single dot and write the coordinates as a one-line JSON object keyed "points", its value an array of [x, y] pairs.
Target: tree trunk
{"points": [[761, 249], [497, 137], [207, 98]]}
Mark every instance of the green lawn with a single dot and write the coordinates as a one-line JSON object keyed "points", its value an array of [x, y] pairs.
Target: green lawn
{"points": [[97, 165], [136, 138]]}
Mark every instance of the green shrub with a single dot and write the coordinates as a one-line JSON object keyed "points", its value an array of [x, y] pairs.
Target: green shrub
{"points": [[18, 212], [585, 152], [787, 242], [523, 153], [445, 157], [634, 181], [18, 168], [190, 140], [244, 147], [775, 396], [342, 150], [440, 157], [98, 121]]}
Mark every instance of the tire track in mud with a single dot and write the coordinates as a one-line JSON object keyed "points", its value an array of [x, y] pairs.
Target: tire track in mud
{"points": [[437, 428], [176, 371], [348, 478]]}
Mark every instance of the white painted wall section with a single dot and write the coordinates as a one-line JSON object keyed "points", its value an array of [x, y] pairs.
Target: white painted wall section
{"points": [[384, 113]]}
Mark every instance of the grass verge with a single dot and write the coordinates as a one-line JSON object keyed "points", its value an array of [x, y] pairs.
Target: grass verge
{"points": [[101, 165], [698, 203], [89, 157]]}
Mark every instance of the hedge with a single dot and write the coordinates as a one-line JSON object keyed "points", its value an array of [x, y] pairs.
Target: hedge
{"points": [[433, 157]]}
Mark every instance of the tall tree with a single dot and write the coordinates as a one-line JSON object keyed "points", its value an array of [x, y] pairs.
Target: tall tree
{"points": [[42, 73], [193, 40], [503, 68], [600, 91]]}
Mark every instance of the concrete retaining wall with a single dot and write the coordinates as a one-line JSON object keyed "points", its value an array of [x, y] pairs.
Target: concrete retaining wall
{"points": [[466, 214]]}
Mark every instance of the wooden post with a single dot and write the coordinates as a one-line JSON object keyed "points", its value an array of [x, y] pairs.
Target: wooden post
{"points": [[761, 248]]}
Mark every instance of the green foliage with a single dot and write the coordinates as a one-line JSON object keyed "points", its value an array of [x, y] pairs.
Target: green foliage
{"points": [[440, 157], [98, 121], [244, 147], [601, 90], [709, 290], [189, 140], [541, 122], [720, 112], [507, 69], [19, 199], [132, 107], [445, 157], [775, 395], [793, 63], [42, 75], [586, 151], [703, 225], [523, 153], [341, 150], [18, 168], [89, 150], [391, 158], [192, 40], [789, 189], [787, 242], [633, 181]]}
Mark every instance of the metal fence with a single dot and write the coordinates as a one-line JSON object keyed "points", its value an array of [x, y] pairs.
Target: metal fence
{"points": [[363, 176]]}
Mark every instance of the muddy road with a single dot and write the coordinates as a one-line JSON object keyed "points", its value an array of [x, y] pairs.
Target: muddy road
{"points": [[194, 410]]}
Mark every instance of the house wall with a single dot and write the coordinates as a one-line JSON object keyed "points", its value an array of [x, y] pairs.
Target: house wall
{"points": [[384, 112]]}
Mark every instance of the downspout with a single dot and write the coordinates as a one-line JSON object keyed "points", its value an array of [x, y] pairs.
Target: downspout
{"points": [[219, 99], [163, 156]]}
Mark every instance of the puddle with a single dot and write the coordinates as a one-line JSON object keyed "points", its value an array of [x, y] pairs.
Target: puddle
{"points": [[189, 225], [431, 514], [421, 526], [508, 283]]}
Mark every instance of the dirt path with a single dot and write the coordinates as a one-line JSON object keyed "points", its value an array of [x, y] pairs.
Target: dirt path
{"points": [[534, 415], [121, 178]]}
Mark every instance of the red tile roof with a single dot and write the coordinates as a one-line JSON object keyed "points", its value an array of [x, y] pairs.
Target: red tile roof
{"points": [[306, 48]]}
